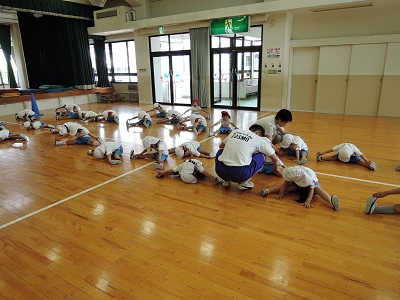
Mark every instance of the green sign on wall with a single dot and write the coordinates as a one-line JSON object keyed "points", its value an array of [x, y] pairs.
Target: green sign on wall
{"points": [[230, 25]]}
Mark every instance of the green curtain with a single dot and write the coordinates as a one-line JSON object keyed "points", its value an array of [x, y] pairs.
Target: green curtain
{"points": [[5, 42], [101, 62], [199, 39], [56, 51]]}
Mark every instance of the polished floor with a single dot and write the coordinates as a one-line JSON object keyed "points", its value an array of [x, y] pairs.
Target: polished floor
{"points": [[75, 227]]}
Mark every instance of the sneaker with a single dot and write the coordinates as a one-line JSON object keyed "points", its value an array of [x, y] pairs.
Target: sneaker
{"points": [[116, 119], [178, 126], [226, 183], [89, 152], [319, 157], [51, 126], [335, 202], [146, 124], [246, 185], [159, 175], [57, 117], [264, 192], [55, 143], [302, 161], [371, 204], [372, 166], [116, 162], [218, 180], [209, 116], [23, 137], [212, 155], [53, 130], [132, 156], [397, 168], [158, 166], [209, 131], [85, 122], [96, 119]]}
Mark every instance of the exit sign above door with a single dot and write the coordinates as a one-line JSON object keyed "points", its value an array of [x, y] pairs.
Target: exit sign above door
{"points": [[236, 24]]}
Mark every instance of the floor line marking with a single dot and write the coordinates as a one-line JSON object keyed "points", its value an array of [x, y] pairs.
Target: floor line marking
{"points": [[72, 196], [357, 179]]}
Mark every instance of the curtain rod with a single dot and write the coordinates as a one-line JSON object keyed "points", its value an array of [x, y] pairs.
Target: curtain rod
{"points": [[44, 13]]}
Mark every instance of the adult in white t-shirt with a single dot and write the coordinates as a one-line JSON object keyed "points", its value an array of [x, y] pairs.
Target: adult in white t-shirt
{"points": [[242, 155]]}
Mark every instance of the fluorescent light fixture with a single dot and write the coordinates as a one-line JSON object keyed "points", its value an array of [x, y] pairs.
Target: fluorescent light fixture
{"points": [[342, 7]]}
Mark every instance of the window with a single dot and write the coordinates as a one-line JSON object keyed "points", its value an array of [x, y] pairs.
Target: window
{"points": [[173, 42], [247, 39], [121, 61], [3, 71]]}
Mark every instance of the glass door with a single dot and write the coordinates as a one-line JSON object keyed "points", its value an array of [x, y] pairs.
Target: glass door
{"points": [[180, 72], [235, 79], [162, 79], [223, 79], [171, 75], [247, 77]]}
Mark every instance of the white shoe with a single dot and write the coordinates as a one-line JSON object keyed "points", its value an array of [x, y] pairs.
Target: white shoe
{"points": [[302, 161], [116, 162], [116, 119], [158, 166], [218, 180], [226, 183], [335, 202], [89, 152], [372, 166], [146, 124], [132, 156], [397, 168], [246, 185], [371, 204], [23, 136], [264, 192]]}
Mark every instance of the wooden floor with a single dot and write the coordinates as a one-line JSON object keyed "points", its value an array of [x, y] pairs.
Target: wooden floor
{"points": [[74, 227]]}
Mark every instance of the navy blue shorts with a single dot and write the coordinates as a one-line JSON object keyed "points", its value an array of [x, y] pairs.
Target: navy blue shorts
{"points": [[238, 174]]}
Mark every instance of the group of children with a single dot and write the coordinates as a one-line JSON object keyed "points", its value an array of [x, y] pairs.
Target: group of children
{"points": [[298, 178]]}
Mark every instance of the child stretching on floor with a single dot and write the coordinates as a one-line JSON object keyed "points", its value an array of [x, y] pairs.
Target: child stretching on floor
{"points": [[36, 125], [153, 143], [72, 129], [188, 171], [143, 119], [159, 110], [305, 181], [6, 134], [199, 124], [172, 117], [295, 146], [268, 167], [372, 208], [110, 150], [347, 153], [225, 122], [191, 148]]}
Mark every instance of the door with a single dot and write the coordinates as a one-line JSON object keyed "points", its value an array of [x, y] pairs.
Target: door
{"points": [[171, 75], [236, 79]]}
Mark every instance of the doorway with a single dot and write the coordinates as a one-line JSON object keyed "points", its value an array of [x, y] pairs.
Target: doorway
{"points": [[235, 69], [170, 64]]}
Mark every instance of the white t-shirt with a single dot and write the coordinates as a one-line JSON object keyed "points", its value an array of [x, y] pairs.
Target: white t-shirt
{"points": [[269, 125], [202, 120], [173, 113], [71, 107], [4, 133], [300, 175], [240, 145], [289, 139], [346, 150], [143, 114], [192, 147], [21, 114], [90, 114], [113, 113], [73, 129], [111, 147]]}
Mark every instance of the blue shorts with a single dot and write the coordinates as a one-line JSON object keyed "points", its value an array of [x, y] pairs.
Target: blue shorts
{"points": [[118, 151], [73, 115], [353, 159], [198, 127], [83, 139], [238, 174], [163, 156], [293, 153], [141, 122], [174, 120], [224, 130], [267, 169], [161, 115]]}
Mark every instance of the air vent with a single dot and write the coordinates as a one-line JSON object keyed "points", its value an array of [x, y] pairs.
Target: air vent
{"points": [[107, 14]]}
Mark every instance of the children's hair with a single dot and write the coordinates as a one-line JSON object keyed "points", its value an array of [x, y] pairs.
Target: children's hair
{"points": [[225, 113], [256, 127], [284, 115], [303, 193]]}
